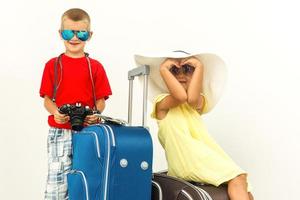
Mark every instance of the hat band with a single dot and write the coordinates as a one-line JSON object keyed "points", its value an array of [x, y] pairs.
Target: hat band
{"points": [[180, 51]]}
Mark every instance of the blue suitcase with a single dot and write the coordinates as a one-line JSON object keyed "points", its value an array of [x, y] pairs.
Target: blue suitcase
{"points": [[111, 161]]}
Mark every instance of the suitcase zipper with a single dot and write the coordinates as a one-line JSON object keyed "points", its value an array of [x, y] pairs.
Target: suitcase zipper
{"points": [[112, 135], [96, 142], [201, 192], [185, 193], [205, 194], [84, 182], [159, 190], [107, 163]]}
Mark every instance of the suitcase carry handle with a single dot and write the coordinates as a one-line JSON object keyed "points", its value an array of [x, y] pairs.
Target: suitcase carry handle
{"points": [[143, 70], [110, 120]]}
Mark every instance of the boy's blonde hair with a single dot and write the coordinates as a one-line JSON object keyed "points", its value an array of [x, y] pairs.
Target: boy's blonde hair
{"points": [[76, 14]]}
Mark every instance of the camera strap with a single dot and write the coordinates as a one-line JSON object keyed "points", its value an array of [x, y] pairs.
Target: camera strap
{"points": [[92, 79], [56, 85]]}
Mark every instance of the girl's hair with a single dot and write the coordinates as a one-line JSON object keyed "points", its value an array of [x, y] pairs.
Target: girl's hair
{"points": [[76, 14]]}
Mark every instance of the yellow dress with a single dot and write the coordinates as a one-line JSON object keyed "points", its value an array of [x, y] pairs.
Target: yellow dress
{"points": [[190, 152]]}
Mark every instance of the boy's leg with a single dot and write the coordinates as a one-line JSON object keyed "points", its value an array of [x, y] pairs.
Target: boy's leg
{"points": [[59, 163]]}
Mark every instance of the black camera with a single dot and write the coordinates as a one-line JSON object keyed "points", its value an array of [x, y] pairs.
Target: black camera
{"points": [[77, 114]]}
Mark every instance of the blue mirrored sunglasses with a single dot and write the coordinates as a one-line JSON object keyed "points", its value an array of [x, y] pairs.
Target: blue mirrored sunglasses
{"points": [[69, 34]]}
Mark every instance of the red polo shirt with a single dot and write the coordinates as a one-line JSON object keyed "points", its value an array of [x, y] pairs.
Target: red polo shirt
{"points": [[74, 83]]}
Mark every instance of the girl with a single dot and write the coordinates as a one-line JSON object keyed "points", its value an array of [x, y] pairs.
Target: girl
{"points": [[193, 84]]}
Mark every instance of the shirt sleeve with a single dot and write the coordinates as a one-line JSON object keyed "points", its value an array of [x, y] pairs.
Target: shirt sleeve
{"points": [[46, 87], [157, 99], [205, 106], [102, 85]]}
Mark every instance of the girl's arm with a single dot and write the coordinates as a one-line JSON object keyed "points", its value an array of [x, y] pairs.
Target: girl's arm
{"points": [[177, 95], [194, 97]]}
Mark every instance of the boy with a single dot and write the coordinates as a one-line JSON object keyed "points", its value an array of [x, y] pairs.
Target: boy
{"points": [[72, 82]]}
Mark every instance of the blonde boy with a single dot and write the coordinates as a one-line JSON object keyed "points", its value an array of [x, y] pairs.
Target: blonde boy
{"points": [[70, 84]]}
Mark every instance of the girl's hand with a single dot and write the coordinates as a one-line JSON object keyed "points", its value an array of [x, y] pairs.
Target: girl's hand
{"points": [[170, 62], [91, 119], [192, 61], [60, 118]]}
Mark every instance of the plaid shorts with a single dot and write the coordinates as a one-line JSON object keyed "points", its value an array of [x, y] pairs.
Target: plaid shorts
{"points": [[59, 163]]}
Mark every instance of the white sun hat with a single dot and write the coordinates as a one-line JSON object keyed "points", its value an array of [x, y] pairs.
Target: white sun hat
{"points": [[214, 74]]}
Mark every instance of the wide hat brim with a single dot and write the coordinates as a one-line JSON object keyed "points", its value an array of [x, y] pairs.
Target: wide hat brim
{"points": [[214, 75]]}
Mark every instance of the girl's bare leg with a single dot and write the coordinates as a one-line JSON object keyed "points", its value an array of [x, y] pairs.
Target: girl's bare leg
{"points": [[237, 188]]}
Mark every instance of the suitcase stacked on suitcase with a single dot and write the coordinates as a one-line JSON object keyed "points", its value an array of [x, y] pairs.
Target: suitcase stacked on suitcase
{"points": [[114, 162]]}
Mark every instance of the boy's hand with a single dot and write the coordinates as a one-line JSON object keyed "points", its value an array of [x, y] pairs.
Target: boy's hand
{"points": [[192, 61], [170, 62], [60, 118], [91, 119]]}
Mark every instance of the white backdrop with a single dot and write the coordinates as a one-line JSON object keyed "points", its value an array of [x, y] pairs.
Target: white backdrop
{"points": [[256, 121]]}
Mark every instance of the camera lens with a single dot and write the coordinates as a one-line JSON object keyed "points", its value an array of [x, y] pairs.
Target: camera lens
{"points": [[77, 123]]}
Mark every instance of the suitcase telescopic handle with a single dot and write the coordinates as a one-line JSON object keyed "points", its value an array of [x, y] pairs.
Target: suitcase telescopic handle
{"points": [[139, 71]]}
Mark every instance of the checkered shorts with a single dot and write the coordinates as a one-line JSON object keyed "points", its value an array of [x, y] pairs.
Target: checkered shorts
{"points": [[59, 163]]}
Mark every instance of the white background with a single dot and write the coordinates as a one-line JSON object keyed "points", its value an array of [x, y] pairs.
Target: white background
{"points": [[256, 121]]}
